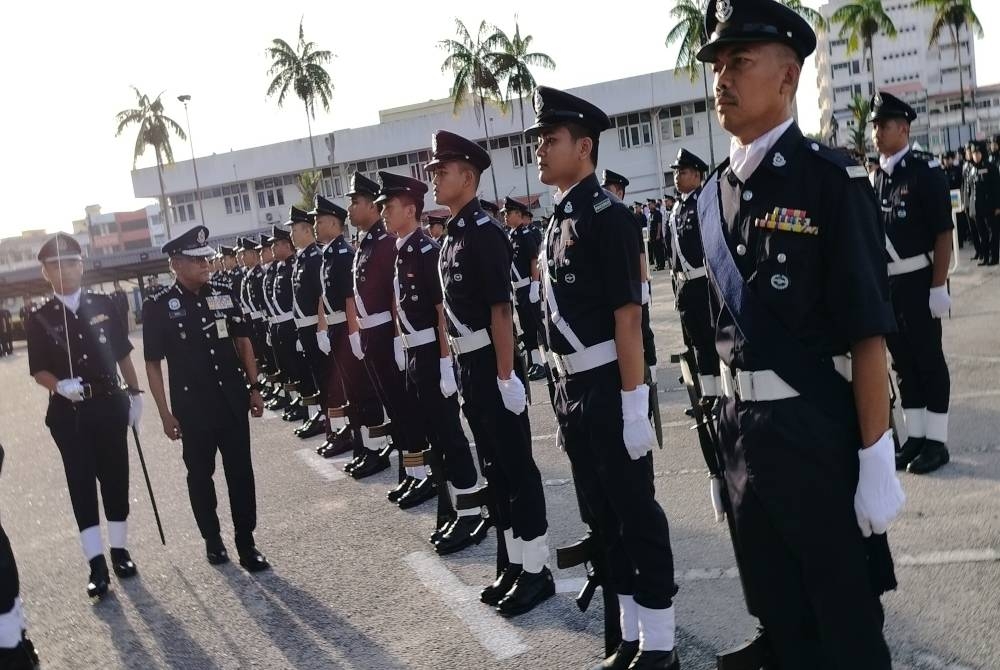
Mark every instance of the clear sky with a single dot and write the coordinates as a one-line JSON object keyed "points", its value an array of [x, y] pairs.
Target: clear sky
{"points": [[68, 69]]}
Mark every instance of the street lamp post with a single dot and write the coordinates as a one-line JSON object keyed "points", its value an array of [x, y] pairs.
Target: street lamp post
{"points": [[194, 163]]}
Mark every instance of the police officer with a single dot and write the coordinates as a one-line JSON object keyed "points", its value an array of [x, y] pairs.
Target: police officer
{"points": [[435, 228], [795, 252], [202, 334], [75, 343], [689, 274], [306, 292], [656, 241], [593, 312], [916, 212], [279, 398], [250, 299], [431, 387], [286, 337], [525, 240], [377, 341], [475, 275], [994, 155], [16, 651], [6, 333], [490, 208], [984, 192]]}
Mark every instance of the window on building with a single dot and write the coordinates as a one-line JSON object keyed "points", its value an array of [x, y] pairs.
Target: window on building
{"points": [[331, 185], [522, 155], [270, 192], [634, 129]]}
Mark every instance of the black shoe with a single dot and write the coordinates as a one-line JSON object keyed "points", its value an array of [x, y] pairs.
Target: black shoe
{"points": [[495, 592], [983, 262], [311, 428], [656, 660], [622, 658], [536, 372], [295, 412], [442, 531], [353, 464], [97, 585], [530, 589], [21, 657], [215, 551], [278, 403], [372, 464], [122, 564], [337, 447], [931, 457], [993, 262], [419, 492], [909, 451], [466, 531], [252, 560], [396, 493]]}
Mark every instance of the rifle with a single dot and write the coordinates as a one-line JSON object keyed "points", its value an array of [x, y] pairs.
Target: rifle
{"points": [[588, 550], [654, 404]]}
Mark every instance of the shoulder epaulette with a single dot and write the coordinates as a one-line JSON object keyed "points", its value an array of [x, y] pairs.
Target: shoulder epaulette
{"points": [[837, 157], [158, 293]]}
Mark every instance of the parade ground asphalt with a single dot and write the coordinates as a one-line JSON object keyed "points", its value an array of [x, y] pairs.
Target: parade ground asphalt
{"points": [[355, 583]]}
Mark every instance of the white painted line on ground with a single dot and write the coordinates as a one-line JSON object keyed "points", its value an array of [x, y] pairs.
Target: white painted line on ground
{"points": [[491, 631], [972, 395], [327, 469], [932, 662], [949, 557]]}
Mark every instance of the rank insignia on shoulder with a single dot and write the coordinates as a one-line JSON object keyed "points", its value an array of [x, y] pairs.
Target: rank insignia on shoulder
{"points": [[857, 171], [602, 205], [789, 221]]}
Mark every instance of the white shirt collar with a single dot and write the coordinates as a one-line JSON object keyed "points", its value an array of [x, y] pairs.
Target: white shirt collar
{"points": [[559, 196], [744, 159], [889, 163], [402, 240], [72, 301]]}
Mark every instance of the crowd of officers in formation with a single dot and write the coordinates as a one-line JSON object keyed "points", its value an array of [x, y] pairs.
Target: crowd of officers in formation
{"points": [[792, 268]]}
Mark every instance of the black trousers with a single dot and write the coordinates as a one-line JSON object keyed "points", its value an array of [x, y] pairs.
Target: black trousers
{"points": [[989, 236], [293, 364], [791, 473], [390, 385], [529, 315], [648, 342], [363, 405], [258, 339], [615, 493], [917, 356], [219, 430], [659, 253], [993, 222], [313, 379], [91, 436], [441, 424], [696, 324], [503, 441], [10, 584]]}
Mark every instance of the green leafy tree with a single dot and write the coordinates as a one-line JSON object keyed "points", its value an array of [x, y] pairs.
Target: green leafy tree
{"points": [[860, 110], [860, 21], [689, 32], [308, 183], [815, 19], [953, 15]]}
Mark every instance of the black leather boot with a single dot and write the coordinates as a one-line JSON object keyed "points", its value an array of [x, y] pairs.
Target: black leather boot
{"points": [[372, 464], [97, 585], [397, 492], [495, 592], [622, 658], [656, 660], [418, 493], [910, 450], [931, 457], [466, 531], [250, 557], [122, 564], [215, 551], [530, 588]]}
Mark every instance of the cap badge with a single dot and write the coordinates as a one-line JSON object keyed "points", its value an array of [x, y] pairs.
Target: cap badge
{"points": [[536, 101], [778, 160], [201, 237], [174, 304], [723, 10], [878, 99]]}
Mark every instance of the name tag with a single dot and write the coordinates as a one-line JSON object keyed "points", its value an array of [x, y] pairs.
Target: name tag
{"points": [[222, 330], [217, 302]]}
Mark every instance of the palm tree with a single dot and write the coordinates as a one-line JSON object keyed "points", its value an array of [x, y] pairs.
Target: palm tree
{"points": [[301, 70], [860, 109], [512, 61], [817, 20], [689, 31], [154, 130], [832, 129], [308, 184], [953, 14], [860, 21], [470, 63]]}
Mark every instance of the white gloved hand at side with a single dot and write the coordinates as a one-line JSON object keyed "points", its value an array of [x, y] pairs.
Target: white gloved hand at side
{"points": [[298, 345], [645, 293], [397, 352], [637, 431], [355, 340], [135, 410], [716, 492], [534, 293], [512, 393], [323, 341], [449, 386], [880, 496], [939, 301], [71, 389]]}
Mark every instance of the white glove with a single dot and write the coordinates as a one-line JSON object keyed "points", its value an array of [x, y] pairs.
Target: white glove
{"points": [[534, 293], [645, 293], [637, 432], [298, 345], [71, 389], [323, 341], [512, 393], [449, 386], [267, 338], [355, 340], [135, 410], [716, 490], [397, 352], [939, 301], [879, 497]]}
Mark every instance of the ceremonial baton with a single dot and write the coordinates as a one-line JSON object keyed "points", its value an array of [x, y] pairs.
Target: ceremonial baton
{"points": [[149, 486]]}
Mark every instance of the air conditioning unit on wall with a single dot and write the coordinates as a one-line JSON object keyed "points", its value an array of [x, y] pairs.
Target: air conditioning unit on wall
{"points": [[269, 217]]}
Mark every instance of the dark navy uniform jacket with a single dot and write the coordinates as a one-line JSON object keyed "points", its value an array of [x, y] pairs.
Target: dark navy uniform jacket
{"points": [[808, 240], [419, 284], [338, 259], [983, 188], [914, 203], [306, 285], [475, 267], [267, 286], [592, 260], [525, 242], [283, 296], [196, 333], [373, 265], [684, 219]]}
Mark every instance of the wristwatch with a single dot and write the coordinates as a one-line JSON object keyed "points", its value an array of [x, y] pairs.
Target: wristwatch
{"points": [[256, 386]]}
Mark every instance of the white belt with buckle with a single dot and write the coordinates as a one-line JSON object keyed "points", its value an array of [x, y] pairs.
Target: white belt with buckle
{"points": [[373, 320], [469, 343], [766, 385], [906, 265], [586, 359], [282, 318], [334, 318], [257, 315], [521, 283], [421, 337], [694, 273], [306, 321]]}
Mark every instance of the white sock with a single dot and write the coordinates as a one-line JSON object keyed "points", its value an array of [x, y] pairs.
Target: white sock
{"points": [[313, 409], [336, 423], [515, 547], [536, 554], [709, 385], [117, 534], [371, 443], [916, 422], [472, 511], [628, 618], [937, 426], [11, 625], [656, 628], [536, 357], [91, 542], [420, 472]]}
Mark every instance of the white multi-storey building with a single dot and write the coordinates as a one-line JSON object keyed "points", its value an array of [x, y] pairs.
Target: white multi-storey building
{"points": [[904, 65], [654, 116]]}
